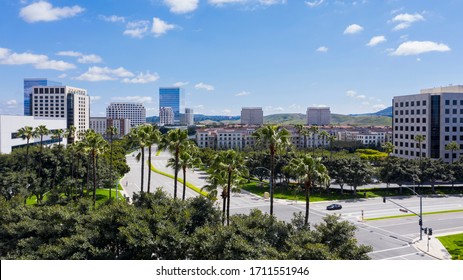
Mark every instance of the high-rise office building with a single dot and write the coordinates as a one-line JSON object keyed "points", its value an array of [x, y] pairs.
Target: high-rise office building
{"points": [[189, 116], [135, 112], [166, 116], [436, 114], [173, 97], [252, 115], [318, 116], [62, 102], [28, 85]]}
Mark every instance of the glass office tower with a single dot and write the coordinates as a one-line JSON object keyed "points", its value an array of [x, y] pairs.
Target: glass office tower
{"points": [[28, 84], [173, 97]]}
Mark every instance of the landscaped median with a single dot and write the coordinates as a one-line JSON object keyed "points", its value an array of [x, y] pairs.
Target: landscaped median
{"points": [[411, 215], [189, 185], [453, 244]]}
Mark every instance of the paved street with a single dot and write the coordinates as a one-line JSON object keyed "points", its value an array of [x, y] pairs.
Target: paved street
{"points": [[390, 238]]}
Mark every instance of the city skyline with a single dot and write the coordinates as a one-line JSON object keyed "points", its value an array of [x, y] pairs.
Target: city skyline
{"points": [[283, 56]]}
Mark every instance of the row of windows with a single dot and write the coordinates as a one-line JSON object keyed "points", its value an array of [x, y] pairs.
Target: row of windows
{"points": [[411, 128], [411, 153], [410, 120], [411, 145], [411, 103], [48, 90], [404, 136], [412, 112], [454, 102]]}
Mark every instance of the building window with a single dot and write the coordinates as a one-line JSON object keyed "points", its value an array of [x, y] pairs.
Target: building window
{"points": [[424, 102], [417, 103], [454, 102], [447, 102]]}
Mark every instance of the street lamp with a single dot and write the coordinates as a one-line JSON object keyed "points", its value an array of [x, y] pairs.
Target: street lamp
{"points": [[268, 170], [421, 209]]}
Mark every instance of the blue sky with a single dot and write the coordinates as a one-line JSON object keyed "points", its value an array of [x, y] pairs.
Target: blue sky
{"points": [[282, 55]]}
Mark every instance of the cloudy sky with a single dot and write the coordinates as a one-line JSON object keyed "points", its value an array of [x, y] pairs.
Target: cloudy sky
{"points": [[282, 55]]}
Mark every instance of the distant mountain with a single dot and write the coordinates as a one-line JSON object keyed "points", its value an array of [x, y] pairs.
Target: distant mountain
{"points": [[198, 118], [336, 119], [384, 113]]}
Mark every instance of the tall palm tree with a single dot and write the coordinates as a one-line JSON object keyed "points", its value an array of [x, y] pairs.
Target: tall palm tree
{"points": [[216, 179], [41, 131], [96, 144], [137, 137], [111, 131], [153, 136], [324, 135], [231, 163], [299, 128], [420, 139], [313, 131], [174, 141], [187, 159], [274, 138], [331, 138], [26, 133], [70, 133], [58, 134], [452, 146], [310, 170]]}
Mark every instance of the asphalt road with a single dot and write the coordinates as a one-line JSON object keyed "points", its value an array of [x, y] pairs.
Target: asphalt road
{"points": [[390, 238]]}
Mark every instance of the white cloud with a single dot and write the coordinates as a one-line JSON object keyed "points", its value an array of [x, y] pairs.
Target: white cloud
{"points": [[139, 99], [62, 76], [160, 27], [376, 41], [181, 84], [142, 78], [405, 20], [112, 18], [137, 29], [419, 47], [322, 49], [353, 29], [252, 2], [379, 107], [95, 74], [314, 3], [91, 58], [39, 61], [12, 103], [44, 11], [227, 111], [204, 86], [294, 106], [182, 6], [94, 98], [351, 93], [243, 93], [69, 53]]}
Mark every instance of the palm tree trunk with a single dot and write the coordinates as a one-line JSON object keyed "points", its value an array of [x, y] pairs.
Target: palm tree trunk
{"points": [[184, 182], [307, 201], [229, 196], [94, 177], [272, 174], [224, 195], [88, 174], [142, 168], [111, 180], [149, 169], [176, 172]]}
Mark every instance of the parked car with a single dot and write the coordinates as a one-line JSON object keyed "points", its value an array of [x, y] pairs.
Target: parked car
{"points": [[334, 207]]}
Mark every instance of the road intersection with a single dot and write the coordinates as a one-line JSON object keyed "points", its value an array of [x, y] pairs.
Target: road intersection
{"points": [[390, 238]]}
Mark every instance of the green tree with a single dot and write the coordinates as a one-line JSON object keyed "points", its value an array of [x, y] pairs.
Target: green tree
{"points": [[275, 139], [138, 137], [359, 173], [96, 144], [26, 133], [111, 131], [187, 159], [310, 170], [153, 137], [452, 146], [324, 135], [174, 141], [42, 131], [314, 130], [58, 134]]}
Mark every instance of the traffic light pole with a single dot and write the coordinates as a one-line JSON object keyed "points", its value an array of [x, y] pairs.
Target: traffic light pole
{"points": [[421, 209]]}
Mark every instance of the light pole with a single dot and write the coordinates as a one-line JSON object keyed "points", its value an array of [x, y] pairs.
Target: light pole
{"points": [[421, 209]]}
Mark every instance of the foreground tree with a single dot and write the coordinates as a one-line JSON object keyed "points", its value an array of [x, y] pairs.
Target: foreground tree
{"points": [[41, 131], [26, 133]]}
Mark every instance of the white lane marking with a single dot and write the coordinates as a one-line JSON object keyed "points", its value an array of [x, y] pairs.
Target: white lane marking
{"points": [[406, 245]]}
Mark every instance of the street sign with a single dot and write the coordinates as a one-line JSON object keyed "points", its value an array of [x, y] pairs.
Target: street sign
{"points": [[403, 210]]}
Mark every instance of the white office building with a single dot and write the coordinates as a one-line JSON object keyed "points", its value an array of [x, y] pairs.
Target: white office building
{"points": [[62, 102], [100, 125], [166, 116], [135, 112], [189, 116], [436, 114], [9, 126], [318, 116]]}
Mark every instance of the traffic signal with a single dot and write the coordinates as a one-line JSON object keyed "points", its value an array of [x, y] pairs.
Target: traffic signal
{"points": [[430, 231], [425, 230], [384, 200], [420, 222]]}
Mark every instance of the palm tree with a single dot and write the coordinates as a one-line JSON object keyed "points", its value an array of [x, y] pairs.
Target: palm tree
{"points": [[218, 178], [274, 138], [187, 159], [420, 139], [70, 133], [26, 133], [174, 141], [331, 138], [324, 135], [41, 131], [153, 136], [96, 144], [452, 146], [310, 170], [111, 131], [299, 128], [314, 131], [388, 148], [231, 163], [137, 137], [57, 134]]}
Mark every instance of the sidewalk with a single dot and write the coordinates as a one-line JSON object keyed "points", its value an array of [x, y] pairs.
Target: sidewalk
{"points": [[436, 249]]}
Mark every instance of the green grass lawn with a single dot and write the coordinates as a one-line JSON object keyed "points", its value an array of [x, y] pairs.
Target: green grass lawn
{"points": [[453, 244], [411, 215]]}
